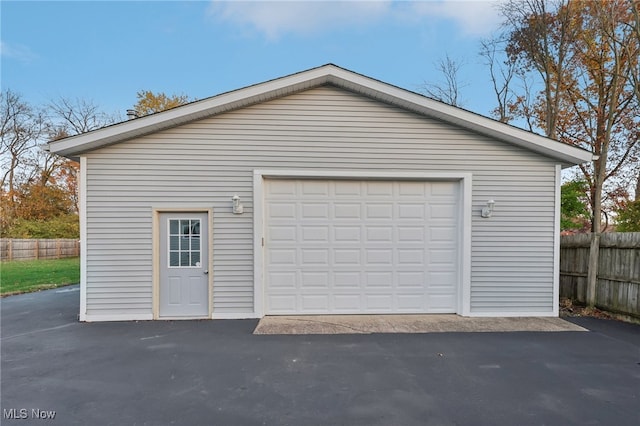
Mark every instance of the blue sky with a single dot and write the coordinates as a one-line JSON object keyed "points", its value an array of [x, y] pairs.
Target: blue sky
{"points": [[108, 51]]}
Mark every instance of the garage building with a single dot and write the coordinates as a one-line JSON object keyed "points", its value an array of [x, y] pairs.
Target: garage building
{"points": [[322, 192]]}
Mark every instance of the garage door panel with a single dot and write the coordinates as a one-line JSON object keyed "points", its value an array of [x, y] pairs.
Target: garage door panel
{"points": [[282, 304], [376, 257], [377, 189], [314, 257], [445, 278], [377, 280], [379, 303], [379, 211], [347, 188], [282, 257], [314, 211], [347, 280], [442, 233], [347, 234], [282, 210], [442, 211], [410, 302], [411, 279], [411, 233], [313, 187], [360, 247], [411, 257], [441, 303], [314, 280], [413, 189], [347, 211], [411, 211], [282, 280], [283, 233], [315, 233], [286, 188], [442, 256], [346, 257], [347, 303], [379, 234], [314, 303]]}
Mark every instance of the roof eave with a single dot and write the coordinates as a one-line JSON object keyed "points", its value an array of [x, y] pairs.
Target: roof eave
{"points": [[332, 74]]}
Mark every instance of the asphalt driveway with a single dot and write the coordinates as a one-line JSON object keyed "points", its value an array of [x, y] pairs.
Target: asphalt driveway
{"points": [[219, 373]]}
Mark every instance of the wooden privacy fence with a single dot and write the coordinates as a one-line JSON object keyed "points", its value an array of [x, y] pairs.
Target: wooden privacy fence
{"points": [[618, 285], [27, 249]]}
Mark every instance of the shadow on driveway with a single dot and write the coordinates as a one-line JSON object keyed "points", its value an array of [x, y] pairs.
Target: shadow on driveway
{"points": [[218, 373]]}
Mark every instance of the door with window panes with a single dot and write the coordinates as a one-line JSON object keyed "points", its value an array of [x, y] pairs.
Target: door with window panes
{"points": [[184, 265]]}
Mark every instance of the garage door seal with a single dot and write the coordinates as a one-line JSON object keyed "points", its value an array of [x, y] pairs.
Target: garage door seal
{"points": [[368, 324]]}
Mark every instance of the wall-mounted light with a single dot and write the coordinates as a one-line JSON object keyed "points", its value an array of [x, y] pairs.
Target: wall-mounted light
{"points": [[488, 210], [237, 207]]}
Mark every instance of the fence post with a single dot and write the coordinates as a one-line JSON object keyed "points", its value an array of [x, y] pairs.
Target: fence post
{"points": [[58, 249], [10, 249], [37, 249]]}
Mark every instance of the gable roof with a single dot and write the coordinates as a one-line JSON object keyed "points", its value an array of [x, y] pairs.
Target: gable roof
{"points": [[327, 74]]}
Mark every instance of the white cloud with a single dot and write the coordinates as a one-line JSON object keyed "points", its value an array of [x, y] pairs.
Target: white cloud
{"points": [[474, 18], [277, 18], [16, 51]]}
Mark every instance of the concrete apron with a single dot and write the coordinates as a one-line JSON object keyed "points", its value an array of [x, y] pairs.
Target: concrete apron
{"points": [[367, 324]]}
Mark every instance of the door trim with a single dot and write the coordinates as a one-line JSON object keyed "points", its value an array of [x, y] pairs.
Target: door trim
{"points": [[156, 253], [464, 221]]}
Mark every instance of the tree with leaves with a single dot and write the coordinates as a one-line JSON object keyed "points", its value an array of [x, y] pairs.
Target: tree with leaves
{"points": [[149, 102], [584, 54], [628, 219], [39, 189], [574, 214]]}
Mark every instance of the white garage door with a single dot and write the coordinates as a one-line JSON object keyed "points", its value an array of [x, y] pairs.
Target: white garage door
{"points": [[347, 246]]}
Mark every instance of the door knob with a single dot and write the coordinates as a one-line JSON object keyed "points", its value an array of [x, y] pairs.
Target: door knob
{"points": [[206, 272]]}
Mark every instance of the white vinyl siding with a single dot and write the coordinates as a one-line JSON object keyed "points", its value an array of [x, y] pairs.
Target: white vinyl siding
{"points": [[208, 161]]}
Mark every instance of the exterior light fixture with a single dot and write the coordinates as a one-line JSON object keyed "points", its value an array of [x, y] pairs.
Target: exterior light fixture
{"points": [[237, 207], [488, 210]]}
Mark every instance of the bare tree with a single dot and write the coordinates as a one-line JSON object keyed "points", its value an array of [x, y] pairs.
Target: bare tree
{"points": [[75, 116], [502, 73], [546, 44], [635, 28], [20, 129], [635, 72], [449, 90]]}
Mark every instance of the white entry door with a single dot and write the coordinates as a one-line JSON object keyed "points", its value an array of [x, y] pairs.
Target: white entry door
{"points": [[184, 265], [354, 247]]}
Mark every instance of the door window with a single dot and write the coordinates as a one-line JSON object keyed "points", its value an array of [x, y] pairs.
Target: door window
{"points": [[185, 244]]}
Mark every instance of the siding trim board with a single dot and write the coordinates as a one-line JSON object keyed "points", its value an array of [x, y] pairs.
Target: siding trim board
{"points": [[82, 213], [556, 242], [464, 221]]}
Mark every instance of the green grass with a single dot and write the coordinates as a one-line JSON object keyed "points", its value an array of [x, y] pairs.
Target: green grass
{"points": [[33, 275]]}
